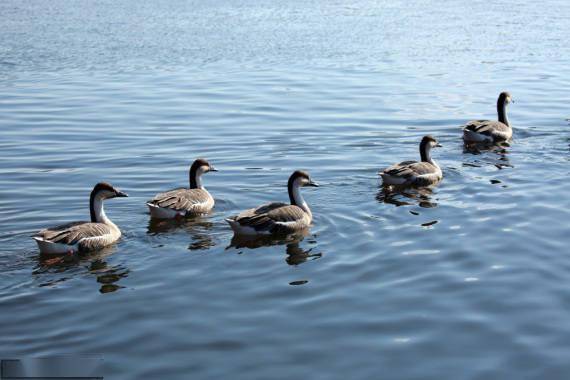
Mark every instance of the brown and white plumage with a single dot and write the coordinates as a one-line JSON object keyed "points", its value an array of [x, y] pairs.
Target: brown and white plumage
{"points": [[83, 236], [277, 218], [490, 131], [185, 202], [413, 173]]}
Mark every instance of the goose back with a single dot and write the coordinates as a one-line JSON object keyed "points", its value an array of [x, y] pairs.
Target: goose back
{"points": [[186, 201], [272, 218], [412, 173], [487, 130], [85, 236]]}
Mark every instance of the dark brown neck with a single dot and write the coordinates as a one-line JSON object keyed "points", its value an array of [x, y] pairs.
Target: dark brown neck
{"points": [[502, 111], [193, 173], [92, 207], [424, 151], [290, 191]]}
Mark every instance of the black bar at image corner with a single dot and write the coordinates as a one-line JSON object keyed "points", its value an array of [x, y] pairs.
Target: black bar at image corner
{"points": [[53, 368]]}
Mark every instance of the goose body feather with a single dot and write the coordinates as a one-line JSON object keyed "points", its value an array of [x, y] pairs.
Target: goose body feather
{"points": [[181, 202], [415, 173], [76, 237], [486, 131], [412, 173], [271, 218]]}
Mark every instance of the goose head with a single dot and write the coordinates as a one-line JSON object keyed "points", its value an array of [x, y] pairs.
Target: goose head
{"points": [[203, 166], [430, 141], [301, 178], [426, 144], [104, 190], [505, 98], [199, 167]]}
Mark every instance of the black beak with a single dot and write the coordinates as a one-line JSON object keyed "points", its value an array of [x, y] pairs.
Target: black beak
{"points": [[121, 194], [313, 184], [438, 145], [213, 169]]}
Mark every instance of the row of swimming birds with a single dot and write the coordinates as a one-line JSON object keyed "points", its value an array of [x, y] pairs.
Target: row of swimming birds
{"points": [[269, 219]]}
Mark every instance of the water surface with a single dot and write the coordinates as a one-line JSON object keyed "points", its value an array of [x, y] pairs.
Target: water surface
{"points": [[468, 280]]}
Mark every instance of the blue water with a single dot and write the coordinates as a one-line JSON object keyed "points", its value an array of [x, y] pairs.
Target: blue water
{"points": [[466, 281]]}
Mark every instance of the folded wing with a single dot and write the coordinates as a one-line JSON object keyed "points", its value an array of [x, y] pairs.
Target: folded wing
{"points": [[72, 233], [189, 200], [273, 218]]}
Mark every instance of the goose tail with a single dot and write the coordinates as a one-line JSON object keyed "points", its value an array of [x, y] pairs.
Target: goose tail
{"points": [[471, 136]]}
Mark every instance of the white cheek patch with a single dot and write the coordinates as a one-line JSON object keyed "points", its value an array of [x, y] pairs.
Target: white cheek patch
{"points": [[199, 172]]}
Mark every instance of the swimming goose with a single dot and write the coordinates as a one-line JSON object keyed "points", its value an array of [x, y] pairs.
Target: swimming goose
{"points": [[185, 202], [413, 173], [278, 218], [491, 131], [83, 236]]}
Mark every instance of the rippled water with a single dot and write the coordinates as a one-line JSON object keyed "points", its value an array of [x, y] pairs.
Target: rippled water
{"points": [[467, 281]]}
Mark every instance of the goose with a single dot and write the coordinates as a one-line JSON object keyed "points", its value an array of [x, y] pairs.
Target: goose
{"points": [[278, 218], [184, 202], [78, 237], [413, 173], [491, 131]]}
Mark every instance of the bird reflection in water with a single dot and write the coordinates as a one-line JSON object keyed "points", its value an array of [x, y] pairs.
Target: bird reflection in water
{"points": [[478, 148], [295, 253], [421, 196], [108, 276], [198, 227], [500, 161], [67, 266]]}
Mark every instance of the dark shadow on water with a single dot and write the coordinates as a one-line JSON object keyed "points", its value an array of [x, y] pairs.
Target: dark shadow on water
{"points": [[295, 254], [478, 148], [198, 227], [62, 268], [500, 160], [162, 226], [406, 196]]}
